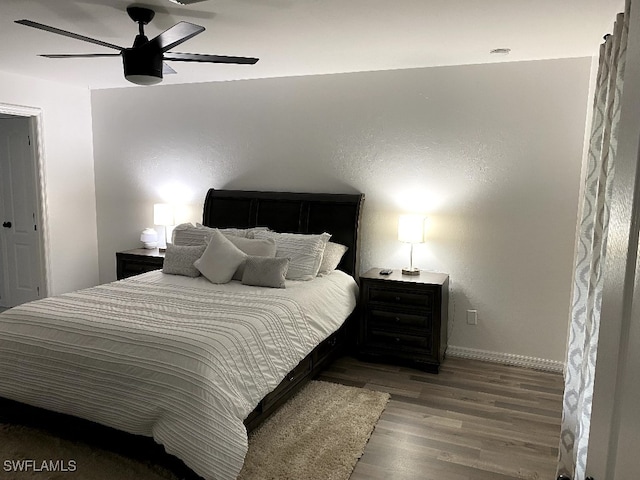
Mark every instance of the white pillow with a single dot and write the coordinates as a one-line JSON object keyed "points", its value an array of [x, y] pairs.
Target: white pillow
{"points": [[331, 257], [304, 252], [220, 259], [187, 234], [237, 232], [257, 247]]}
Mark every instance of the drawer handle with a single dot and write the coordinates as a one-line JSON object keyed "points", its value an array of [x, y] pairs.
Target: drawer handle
{"points": [[397, 298], [397, 319], [291, 376], [397, 339]]}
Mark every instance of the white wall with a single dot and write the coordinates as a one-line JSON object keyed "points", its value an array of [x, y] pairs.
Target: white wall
{"points": [[492, 153], [68, 174]]}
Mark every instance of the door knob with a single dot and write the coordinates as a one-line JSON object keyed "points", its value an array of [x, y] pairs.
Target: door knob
{"points": [[6, 224]]}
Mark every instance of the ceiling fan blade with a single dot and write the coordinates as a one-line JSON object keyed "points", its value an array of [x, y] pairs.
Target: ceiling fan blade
{"points": [[186, 2], [197, 57], [167, 70], [79, 55], [47, 28], [180, 32]]}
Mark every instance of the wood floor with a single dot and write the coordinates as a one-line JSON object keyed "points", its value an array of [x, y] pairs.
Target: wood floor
{"points": [[473, 421]]}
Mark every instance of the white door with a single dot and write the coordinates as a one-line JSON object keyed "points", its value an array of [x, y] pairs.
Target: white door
{"points": [[19, 236]]}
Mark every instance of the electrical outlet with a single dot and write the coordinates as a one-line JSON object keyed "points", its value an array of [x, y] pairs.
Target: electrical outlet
{"points": [[472, 317]]}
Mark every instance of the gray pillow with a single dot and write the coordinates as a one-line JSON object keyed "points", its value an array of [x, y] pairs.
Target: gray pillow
{"points": [[265, 271], [178, 260]]}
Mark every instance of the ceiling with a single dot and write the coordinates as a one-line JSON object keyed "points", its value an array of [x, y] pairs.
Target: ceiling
{"points": [[303, 37]]}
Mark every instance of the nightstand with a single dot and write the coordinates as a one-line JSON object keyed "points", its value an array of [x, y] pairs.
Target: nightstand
{"points": [[404, 317], [137, 261]]}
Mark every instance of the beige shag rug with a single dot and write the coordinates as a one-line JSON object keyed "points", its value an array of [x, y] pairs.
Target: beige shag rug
{"points": [[319, 434], [331, 428]]}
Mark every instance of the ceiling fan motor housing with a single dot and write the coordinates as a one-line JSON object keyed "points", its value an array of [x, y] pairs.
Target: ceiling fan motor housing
{"points": [[142, 66]]}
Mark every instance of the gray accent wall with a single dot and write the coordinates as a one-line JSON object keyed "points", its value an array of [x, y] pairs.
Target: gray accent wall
{"points": [[491, 153]]}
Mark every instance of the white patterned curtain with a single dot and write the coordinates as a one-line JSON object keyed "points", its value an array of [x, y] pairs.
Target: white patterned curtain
{"points": [[590, 254]]}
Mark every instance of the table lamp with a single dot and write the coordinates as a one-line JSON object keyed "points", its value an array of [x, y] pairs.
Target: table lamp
{"points": [[163, 215], [411, 231]]}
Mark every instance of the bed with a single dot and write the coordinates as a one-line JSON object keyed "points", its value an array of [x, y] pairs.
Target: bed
{"points": [[192, 364]]}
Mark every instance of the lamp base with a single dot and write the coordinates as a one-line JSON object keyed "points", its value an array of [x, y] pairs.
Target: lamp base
{"points": [[411, 271]]}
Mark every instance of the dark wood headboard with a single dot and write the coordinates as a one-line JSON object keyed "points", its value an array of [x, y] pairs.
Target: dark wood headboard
{"points": [[337, 214]]}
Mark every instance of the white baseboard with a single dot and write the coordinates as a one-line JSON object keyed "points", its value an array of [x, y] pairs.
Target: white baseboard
{"points": [[506, 359]]}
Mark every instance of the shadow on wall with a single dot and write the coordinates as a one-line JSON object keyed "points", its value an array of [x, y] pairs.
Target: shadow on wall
{"points": [[459, 303], [290, 178]]}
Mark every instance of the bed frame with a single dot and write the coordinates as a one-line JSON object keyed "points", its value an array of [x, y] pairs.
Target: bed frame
{"points": [[338, 214], [335, 213]]}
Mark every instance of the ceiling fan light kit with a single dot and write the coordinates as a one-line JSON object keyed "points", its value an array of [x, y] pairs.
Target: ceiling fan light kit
{"points": [[141, 67], [144, 62]]}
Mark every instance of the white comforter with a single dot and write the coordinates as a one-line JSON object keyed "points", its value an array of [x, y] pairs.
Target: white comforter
{"points": [[175, 358]]}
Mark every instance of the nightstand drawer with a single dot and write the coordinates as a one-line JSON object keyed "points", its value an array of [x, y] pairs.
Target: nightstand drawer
{"points": [[393, 296], [399, 320], [400, 341], [136, 268]]}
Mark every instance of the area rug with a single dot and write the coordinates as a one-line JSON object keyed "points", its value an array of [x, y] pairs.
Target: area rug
{"points": [[317, 435]]}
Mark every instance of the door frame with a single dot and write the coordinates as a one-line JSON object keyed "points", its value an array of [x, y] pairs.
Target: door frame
{"points": [[35, 126]]}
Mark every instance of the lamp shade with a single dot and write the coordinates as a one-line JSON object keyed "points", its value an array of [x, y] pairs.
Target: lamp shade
{"points": [[411, 228], [163, 214]]}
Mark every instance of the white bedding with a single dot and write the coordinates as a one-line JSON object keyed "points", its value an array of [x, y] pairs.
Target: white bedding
{"points": [[176, 358]]}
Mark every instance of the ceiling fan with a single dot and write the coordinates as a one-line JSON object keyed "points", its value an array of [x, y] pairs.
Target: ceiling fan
{"points": [[186, 2], [144, 61]]}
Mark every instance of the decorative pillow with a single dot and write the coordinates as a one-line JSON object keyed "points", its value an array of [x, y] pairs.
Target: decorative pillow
{"points": [[331, 257], [178, 260], [257, 247], [220, 259], [265, 271], [303, 251]]}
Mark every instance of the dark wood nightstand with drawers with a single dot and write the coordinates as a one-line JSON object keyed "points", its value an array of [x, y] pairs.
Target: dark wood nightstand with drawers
{"points": [[404, 317], [137, 261]]}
